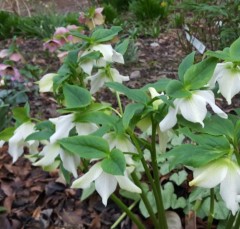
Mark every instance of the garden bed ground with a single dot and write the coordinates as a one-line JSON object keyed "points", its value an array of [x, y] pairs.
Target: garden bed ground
{"points": [[37, 199]]}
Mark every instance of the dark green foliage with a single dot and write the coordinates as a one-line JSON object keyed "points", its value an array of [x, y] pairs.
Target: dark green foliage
{"points": [[119, 5], [147, 9], [41, 26], [8, 25], [110, 13], [215, 23]]}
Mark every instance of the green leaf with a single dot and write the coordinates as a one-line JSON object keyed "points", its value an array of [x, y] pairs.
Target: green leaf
{"points": [[176, 89], [160, 85], [115, 164], [130, 111], [179, 177], [80, 35], [216, 125], [218, 54], [198, 75], [235, 50], [3, 115], [123, 46], [97, 117], [94, 55], [217, 142], [39, 136], [75, 96], [195, 156], [103, 35], [7, 133], [134, 94], [21, 114], [152, 202], [2, 209], [88, 147], [185, 65]]}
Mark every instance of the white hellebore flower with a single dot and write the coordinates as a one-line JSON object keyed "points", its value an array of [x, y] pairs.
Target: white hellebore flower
{"points": [[228, 77], [63, 126], [17, 141], [46, 83], [192, 109], [154, 94], [109, 56], [224, 172], [51, 151], [105, 183], [123, 143], [102, 76]]}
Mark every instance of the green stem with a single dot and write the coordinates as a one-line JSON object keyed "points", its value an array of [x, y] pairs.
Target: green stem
{"points": [[119, 103], [230, 221], [159, 201], [124, 214], [237, 222], [128, 211], [145, 200], [211, 212]]}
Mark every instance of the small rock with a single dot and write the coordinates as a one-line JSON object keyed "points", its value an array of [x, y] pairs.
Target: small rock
{"points": [[135, 75], [154, 44]]}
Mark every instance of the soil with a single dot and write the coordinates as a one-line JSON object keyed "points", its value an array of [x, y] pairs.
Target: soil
{"points": [[36, 199]]}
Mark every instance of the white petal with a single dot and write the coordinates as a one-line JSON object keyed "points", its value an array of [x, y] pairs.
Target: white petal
{"points": [[15, 149], [210, 175], [228, 190], [86, 180], [1, 143], [105, 185], [209, 98], [217, 74], [106, 50], [97, 81], [163, 140], [169, 121], [85, 128], [126, 184], [87, 67], [16, 142], [46, 83], [229, 84], [50, 152], [63, 125], [116, 77], [193, 109], [70, 162], [117, 57]]}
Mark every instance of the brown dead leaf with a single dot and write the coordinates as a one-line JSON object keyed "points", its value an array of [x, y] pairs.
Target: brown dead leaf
{"points": [[7, 203], [4, 222], [190, 220], [96, 222]]}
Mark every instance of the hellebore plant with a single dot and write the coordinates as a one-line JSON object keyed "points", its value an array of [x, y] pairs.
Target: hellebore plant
{"points": [[129, 145]]}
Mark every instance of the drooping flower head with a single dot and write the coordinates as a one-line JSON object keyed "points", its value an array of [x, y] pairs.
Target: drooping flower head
{"points": [[227, 75], [105, 183], [192, 108], [224, 172]]}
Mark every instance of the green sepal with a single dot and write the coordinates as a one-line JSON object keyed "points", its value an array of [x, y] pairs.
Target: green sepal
{"points": [[115, 163], [176, 89]]}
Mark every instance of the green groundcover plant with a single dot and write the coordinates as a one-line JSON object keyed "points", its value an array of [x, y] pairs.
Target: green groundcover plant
{"points": [[167, 127]]}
